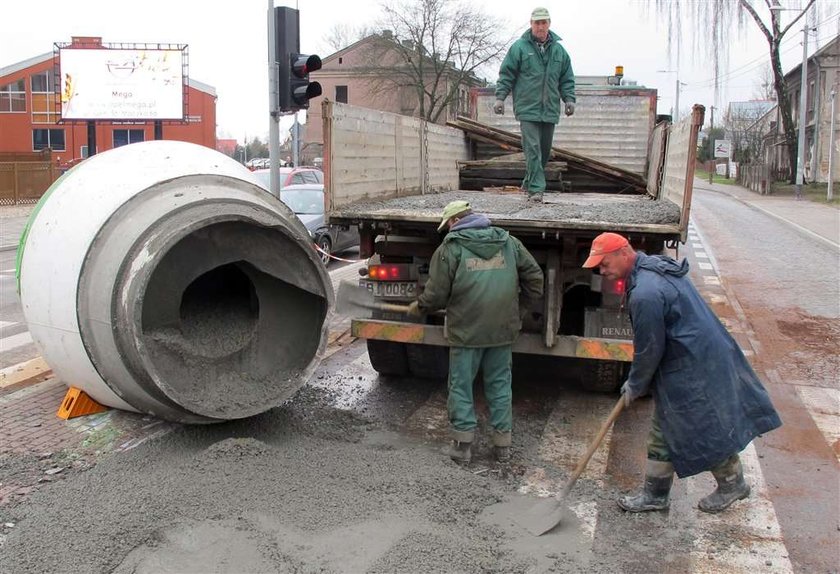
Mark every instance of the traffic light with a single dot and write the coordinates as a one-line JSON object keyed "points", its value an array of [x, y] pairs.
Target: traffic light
{"points": [[294, 90], [300, 88]]}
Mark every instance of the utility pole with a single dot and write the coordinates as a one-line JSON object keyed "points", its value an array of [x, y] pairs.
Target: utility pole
{"points": [[831, 145], [803, 102], [712, 145], [273, 105], [677, 101]]}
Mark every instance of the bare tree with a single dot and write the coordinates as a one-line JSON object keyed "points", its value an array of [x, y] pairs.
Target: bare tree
{"points": [[433, 48], [719, 17], [342, 35], [765, 86]]}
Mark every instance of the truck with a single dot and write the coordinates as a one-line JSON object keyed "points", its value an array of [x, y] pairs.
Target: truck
{"points": [[390, 176]]}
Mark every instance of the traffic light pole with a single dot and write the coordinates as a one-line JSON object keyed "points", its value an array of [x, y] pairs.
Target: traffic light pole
{"points": [[273, 106]]}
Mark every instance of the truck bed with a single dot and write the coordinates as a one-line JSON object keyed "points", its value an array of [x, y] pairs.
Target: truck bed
{"points": [[560, 211]]}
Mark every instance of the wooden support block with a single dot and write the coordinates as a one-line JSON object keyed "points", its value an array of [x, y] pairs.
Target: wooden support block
{"points": [[77, 403]]}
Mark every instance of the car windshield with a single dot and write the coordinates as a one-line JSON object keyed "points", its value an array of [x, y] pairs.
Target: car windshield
{"points": [[304, 201]]}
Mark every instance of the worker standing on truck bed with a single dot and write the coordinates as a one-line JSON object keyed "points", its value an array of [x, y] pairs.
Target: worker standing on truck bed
{"points": [[481, 275], [709, 403], [538, 71]]}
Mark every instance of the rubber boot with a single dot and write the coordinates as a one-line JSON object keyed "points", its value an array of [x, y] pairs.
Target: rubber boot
{"points": [[502, 454], [731, 487], [461, 452], [656, 492]]}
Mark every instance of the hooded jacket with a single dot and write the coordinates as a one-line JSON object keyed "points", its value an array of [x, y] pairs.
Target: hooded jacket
{"points": [[477, 274], [709, 401], [538, 80]]}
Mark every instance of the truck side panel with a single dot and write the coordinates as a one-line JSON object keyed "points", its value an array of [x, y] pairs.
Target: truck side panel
{"points": [[680, 160], [612, 125], [377, 155]]}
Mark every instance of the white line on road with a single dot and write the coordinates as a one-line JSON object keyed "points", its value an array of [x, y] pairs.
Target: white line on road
{"points": [[824, 407], [19, 340], [705, 266], [701, 255], [4, 324]]}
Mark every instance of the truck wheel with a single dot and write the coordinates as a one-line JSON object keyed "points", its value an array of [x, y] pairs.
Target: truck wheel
{"points": [[428, 361], [604, 376], [387, 357]]}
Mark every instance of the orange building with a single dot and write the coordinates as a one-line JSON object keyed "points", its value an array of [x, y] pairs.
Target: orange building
{"points": [[30, 118]]}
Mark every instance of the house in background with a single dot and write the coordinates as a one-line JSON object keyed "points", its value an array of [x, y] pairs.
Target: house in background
{"points": [[354, 75], [823, 78], [740, 125], [30, 121]]}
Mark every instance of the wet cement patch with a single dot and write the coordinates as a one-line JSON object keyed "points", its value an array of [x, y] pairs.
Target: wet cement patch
{"points": [[302, 488]]}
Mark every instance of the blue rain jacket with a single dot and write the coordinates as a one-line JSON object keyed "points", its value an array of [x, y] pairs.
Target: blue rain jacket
{"points": [[709, 401]]}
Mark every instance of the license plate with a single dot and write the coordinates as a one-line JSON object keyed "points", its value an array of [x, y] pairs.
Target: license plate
{"points": [[402, 289]]}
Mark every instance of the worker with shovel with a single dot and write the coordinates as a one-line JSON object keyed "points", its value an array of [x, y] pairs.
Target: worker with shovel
{"points": [[479, 274], [709, 404]]}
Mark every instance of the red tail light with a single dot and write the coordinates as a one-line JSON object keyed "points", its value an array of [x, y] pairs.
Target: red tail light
{"points": [[389, 272]]}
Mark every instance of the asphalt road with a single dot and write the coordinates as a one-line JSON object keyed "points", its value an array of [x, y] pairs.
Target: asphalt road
{"points": [[348, 475]]}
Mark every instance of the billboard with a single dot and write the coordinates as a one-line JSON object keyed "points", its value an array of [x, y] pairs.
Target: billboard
{"points": [[121, 84]]}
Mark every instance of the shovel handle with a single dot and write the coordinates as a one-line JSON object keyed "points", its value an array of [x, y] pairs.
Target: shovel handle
{"points": [[619, 406], [393, 307]]}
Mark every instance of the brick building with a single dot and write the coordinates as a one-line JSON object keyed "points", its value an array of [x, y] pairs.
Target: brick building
{"points": [[356, 75], [30, 119]]}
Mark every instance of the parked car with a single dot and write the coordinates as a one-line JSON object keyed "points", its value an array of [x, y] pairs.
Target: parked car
{"points": [[291, 176], [307, 201]]}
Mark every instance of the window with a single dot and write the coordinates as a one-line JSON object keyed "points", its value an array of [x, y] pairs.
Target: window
{"points": [[43, 99], [48, 138], [125, 137], [309, 177], [42, 82], [341, 94], [13, 97]]}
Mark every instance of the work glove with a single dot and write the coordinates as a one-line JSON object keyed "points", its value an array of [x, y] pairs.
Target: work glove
{"points": [[414, 310], [570, 108], [499, 107], [627, 393]]}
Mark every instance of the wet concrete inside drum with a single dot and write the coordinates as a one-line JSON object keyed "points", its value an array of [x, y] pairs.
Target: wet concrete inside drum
{"points": [[228, 324]]}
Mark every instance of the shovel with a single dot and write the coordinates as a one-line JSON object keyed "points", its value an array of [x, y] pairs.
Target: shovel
{"points": [[544, 516], [357, 301]]}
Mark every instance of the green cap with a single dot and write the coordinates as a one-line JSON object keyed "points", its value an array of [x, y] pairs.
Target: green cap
{"points": [[452, 209], [540, 14]]}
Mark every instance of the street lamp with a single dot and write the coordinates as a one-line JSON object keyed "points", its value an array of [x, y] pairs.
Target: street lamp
{"points": [[776, 7]]}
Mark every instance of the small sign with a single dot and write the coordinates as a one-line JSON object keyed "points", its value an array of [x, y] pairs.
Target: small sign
{"points": [[723, 148]]}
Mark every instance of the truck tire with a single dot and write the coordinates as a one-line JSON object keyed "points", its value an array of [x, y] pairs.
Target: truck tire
{"points": [[428, 361], [387, 357], [604, 376]]}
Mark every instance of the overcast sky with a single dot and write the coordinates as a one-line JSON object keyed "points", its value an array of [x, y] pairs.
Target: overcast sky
{"points": [[228, 43]]}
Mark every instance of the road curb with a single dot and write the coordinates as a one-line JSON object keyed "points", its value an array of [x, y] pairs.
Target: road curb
{"points": [[793, 224]]}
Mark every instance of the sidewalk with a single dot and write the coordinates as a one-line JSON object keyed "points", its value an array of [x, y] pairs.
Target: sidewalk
{"points": [[817, 220], [13, 220]]}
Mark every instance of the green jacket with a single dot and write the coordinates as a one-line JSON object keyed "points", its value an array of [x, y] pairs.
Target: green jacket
{"points": [[538, 80], [477, 275]]}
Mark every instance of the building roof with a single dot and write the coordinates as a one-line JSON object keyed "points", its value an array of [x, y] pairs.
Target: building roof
{"points": [[832, 47], [35, 60]]}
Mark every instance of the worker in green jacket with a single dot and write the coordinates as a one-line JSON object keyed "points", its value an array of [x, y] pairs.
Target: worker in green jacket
{"points": [[538, 71], [481, 275]]}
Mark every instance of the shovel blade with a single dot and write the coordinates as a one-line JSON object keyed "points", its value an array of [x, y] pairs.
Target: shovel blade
{"points": [[354, 301], [542, 517]]}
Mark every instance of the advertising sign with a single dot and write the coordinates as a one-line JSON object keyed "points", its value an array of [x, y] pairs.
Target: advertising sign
{"points": [[723, 148], [110, 84]]}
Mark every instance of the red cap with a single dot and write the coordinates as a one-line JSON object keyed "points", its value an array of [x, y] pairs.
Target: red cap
{"points": [[603, 244]]}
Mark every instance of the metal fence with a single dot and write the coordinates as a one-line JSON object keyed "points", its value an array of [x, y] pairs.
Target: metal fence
{"points": [[24, 182]]}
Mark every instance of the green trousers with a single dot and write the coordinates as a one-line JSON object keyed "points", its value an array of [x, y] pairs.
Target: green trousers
{"points": [[536, 143], [495, 365], [657, 448]]}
